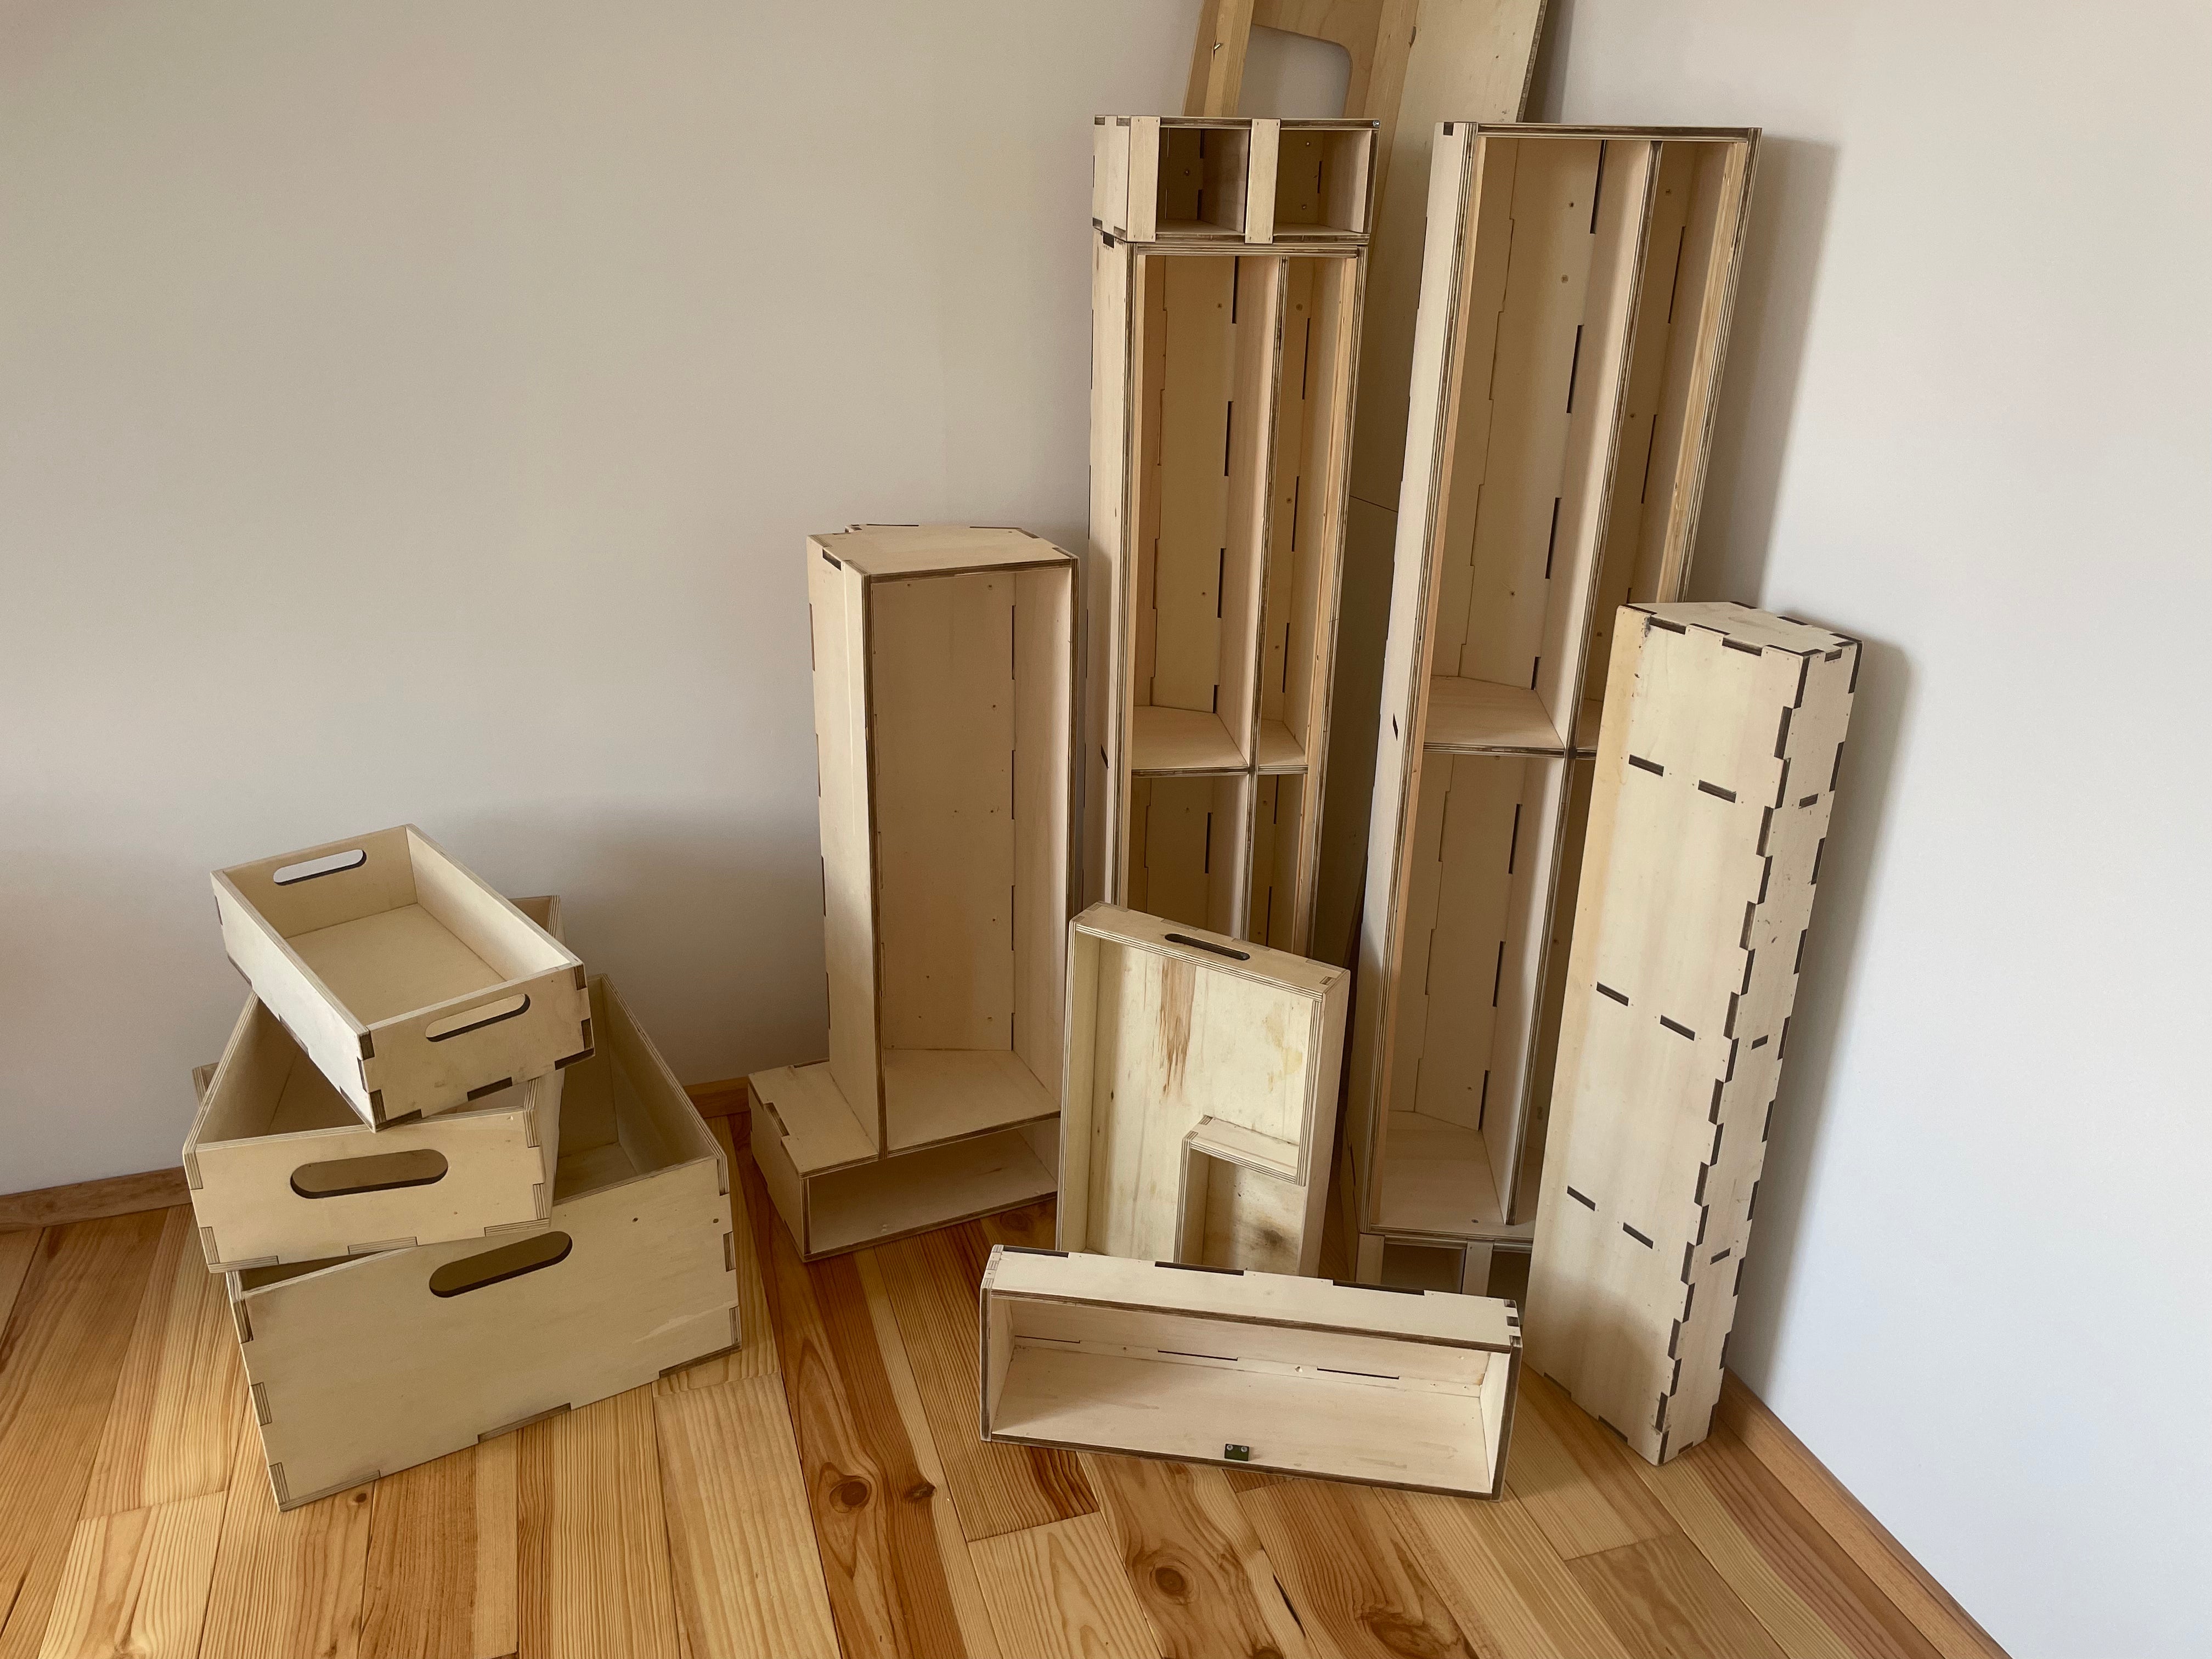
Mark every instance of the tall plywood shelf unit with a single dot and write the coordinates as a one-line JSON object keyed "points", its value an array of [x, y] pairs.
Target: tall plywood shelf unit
{"points": [[1575, 298], [944, 682], [1724, 743], [1226, 283]]}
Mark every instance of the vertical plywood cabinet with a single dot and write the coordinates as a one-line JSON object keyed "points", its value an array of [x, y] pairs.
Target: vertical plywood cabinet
{"points": [[1199, 1110], [1574, 295], [944, 683], [1723, 742], [1226, 280]]}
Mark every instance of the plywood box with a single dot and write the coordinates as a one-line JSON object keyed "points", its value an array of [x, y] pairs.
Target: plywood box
{"points": [[1169, 179], [1199, 1096], [1300, 1376], [412, 985], [1574, 296], [1221, 400], [281, 1170], [1716, 774], [361, 1368], [944, 680]]}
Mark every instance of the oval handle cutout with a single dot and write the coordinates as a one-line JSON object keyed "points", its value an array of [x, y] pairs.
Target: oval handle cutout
{"points": [[378, 1172], [489, 1013], [524, 1256], [329, 865], [1200, 944]]}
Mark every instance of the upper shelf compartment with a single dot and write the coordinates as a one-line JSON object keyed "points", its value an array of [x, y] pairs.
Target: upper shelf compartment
{"points": [[1170, 179]]}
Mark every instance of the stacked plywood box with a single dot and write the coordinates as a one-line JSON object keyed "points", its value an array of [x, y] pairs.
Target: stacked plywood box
{"points": [[1723, 742], [944, 682], [1226, 296], [1574, 305], [450, 1184]]}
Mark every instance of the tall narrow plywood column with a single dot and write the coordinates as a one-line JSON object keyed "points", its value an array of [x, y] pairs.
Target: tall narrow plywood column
{"points": [[1226, 286], [1721, 741]]}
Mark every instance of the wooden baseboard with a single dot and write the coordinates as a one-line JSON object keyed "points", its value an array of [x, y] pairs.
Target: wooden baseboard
{"points": [[90, 1201], [158, 1189], [1948, 1626]]}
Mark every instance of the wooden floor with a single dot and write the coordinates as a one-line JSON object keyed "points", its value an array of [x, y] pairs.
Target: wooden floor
{"points": [[825, 1486]]}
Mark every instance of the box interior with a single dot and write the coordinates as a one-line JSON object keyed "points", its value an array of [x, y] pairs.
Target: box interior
{"points": [[1321, 182], [1470, 947], [971, 751], [1204, 180], [1187, 849], [1331, 1403], [1280, 834]]}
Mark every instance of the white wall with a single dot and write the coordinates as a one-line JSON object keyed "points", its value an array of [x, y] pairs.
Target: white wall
{"points": [[1968, 416], [413, 411]]}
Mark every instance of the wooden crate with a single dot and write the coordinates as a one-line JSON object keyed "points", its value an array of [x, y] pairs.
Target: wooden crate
{"points": [[364, 1367], [1169, 179], [1221, 401], [1299, 1377], [1573, 303], [1716, 774], [408, 981], [944, 684], [280, 1170], [1199, 1101]]}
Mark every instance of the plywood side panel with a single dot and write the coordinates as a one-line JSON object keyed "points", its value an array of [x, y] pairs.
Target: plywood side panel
{"points": [[836, 606], [1044, 625], [1106, 660]]}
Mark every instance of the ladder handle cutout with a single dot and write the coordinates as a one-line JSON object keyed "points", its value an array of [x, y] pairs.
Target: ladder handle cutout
{"points": [[374, 1172], [510, 1261], [1200, 944], [486, 1013], [329, 865]]}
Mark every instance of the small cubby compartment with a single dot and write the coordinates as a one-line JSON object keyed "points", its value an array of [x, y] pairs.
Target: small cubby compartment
{"points": [[1324, 180], [1205, 178], [1265, 1371], [1460, 1067], [1187, 849], [411, 984], [1282, 838], [1207, 333]]}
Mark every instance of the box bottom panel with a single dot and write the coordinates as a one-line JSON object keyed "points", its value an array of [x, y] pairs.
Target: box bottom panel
{"points": [[934, 1095]]}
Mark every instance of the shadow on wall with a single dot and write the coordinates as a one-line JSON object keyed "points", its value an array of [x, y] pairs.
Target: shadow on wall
{"points": [[1790, 199], [673, 907], [1824, 989]]}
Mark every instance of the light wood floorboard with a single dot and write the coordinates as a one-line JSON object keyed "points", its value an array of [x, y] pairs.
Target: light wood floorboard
{"points": [[822, 1492]]}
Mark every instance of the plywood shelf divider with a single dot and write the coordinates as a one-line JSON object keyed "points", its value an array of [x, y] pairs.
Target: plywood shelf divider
{"points": [[1574, 304], [1715, 778], [944, 695], [1222, 385], [1199, 1100]]}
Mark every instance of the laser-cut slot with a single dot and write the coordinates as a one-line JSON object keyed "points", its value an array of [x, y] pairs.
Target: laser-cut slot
{"points": [[378, 1172], [330, 864], [502, 1263]]}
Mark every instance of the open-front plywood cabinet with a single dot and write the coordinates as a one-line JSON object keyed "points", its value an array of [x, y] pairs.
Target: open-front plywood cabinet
{"points": [[1574, 302], [1199, 1108], [1301, 1376], [944, 722], [1715, 778], [1223, 358]]}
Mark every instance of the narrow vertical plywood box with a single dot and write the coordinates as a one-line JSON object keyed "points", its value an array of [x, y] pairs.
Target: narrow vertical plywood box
{"points": [[943, 715], [1574, 304], [1223, 345], [361, 1368], [1199, 1110], [1722, 743], [412, 985], [1298, 1376]]}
